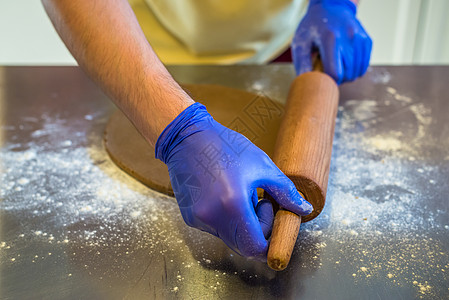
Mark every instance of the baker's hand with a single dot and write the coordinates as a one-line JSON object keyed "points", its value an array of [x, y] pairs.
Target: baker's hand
{"points": [[215, 173], [331, 27]]}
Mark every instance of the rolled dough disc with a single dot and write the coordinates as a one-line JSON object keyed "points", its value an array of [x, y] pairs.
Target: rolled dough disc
{"points": [[255, 116]]}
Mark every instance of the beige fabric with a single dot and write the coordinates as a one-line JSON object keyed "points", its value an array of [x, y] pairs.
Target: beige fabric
{"points": [[218, 31]]}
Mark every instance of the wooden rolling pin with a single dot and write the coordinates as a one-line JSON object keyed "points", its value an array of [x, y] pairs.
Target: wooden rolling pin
{"points": [[303, 152]]}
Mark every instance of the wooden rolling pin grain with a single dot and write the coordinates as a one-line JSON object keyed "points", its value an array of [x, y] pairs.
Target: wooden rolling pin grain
{"points": [[303, 152]]}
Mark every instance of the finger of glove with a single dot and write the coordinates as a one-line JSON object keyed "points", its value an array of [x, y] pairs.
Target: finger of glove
{"points": [[249, 237], [365, 44], [302, 55], [331, 58], [285, 193], [265, 214], [357, 51], [348, 59], [367, 48]]}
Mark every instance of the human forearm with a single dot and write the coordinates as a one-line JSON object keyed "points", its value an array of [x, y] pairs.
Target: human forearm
{"points": [[106, 40]]}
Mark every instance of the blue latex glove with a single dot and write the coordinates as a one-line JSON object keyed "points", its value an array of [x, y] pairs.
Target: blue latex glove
{"points": [[214, 172], [331, 28]]}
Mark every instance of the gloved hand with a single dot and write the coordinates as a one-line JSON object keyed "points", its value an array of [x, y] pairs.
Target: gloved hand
{"points": [[331, 27], [214, 172]]}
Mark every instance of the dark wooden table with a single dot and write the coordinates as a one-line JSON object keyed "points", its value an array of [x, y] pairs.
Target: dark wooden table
{"points": [[73, 226]]}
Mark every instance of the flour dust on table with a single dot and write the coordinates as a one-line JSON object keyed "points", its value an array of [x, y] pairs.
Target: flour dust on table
{"points": [[67, 192]]}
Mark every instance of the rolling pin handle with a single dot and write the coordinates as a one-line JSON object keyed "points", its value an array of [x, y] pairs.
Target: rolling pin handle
{"points": [[303, 151]]}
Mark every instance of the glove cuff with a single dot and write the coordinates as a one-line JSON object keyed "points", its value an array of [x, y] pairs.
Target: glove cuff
{"points": [[179, 129], [332, 3]]}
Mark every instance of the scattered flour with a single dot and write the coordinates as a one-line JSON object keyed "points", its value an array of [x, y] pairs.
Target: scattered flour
{"points": [[380, 76], [79, 188], [76, 192], [80, 202], [376, 199]]}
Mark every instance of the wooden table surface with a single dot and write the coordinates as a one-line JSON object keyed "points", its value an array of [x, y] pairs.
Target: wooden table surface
{"points": [[73, 226]]}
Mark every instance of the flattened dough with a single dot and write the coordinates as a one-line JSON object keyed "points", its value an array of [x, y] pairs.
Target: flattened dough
{"points": [[255, 116]]}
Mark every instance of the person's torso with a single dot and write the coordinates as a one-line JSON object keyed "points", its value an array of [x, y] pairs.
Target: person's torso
{"points": [[218, 31]]}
